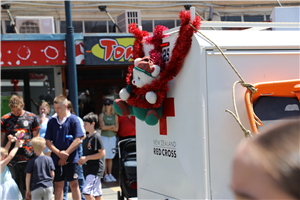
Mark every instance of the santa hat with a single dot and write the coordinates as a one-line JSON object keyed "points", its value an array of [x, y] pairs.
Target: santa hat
{"points": [[146, 65]]}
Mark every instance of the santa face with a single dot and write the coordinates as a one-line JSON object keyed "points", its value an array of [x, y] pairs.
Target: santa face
{"points": [[140, 79]]}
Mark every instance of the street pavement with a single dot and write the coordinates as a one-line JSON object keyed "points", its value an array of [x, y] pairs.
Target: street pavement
{"points": [[109, 190]]}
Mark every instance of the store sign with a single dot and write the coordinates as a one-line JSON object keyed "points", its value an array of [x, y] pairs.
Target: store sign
{"points": [[108, 50], [32, 53]]}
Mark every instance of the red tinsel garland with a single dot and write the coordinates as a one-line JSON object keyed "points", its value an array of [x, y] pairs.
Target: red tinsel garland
{"points": [[138, 51], [156, 40], [179, 52]]}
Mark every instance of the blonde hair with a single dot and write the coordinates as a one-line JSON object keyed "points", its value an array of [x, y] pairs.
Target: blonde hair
{"points": [[3, 152], [44, 103], [38, 144], [61, 99], [16, 101]]}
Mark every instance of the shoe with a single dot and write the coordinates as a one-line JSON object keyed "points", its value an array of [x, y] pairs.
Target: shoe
{"points": [[107, 178], [112, 178]]}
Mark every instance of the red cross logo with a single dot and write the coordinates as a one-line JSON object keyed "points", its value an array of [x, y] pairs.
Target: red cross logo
{"points": [[168, 111]]}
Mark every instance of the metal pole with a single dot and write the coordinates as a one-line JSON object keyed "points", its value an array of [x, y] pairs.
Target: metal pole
{"points": [[71, 62]]}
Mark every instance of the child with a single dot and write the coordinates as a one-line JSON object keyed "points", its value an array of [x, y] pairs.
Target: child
{"points": [[43, 119], [8, 189], [93, 156], [41, 168]]}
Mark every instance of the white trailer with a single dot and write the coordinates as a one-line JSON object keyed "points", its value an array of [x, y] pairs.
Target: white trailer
{"points": [[193, 161]]}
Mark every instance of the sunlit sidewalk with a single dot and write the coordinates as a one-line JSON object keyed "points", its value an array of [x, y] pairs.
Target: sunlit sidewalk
{"points": [[110, 191]]}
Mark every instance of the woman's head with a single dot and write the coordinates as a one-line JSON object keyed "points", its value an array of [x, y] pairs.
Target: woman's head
{"points": [[3, 153], [108, 106], [268, 165], [44, 108]]}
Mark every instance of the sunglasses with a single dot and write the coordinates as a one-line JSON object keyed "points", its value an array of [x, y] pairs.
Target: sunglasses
{"points": [[107, 104]]}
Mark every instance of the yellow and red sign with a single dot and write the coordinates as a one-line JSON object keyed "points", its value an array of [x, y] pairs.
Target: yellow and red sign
{"points": [[108, 50]]}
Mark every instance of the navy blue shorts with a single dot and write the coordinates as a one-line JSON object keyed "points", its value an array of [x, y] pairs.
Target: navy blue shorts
{"points": [[70, 172]]}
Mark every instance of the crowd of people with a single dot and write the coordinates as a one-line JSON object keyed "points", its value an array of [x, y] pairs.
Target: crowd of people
{"points": [[38, 150], [62, 149]]}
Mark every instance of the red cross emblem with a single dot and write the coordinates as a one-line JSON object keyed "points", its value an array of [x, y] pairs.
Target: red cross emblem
{"points": [[168, 111]]}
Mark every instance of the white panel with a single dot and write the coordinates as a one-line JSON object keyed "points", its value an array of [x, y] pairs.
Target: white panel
{"points": [[286, 14], [128, 17], [224, 132], [176, 177], [205, 135], [153, 195], [46, 24]]}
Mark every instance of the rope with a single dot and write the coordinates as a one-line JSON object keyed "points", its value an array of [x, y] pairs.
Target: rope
{"points": [[236, 115], [242, 82]]}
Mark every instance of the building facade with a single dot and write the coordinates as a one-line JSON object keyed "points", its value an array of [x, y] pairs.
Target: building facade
{"points": [[33, 62]]}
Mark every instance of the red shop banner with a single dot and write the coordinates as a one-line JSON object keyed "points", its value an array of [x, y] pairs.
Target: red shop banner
{"points": [[33, 53]]}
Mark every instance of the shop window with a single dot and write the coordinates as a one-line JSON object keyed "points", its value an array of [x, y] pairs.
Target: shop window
{"points": [[8, 27], [95, 26], [100, 74], [86, 101], [111, 27], [178, 21], [167, 23], [253, 18], [76, 24], [147, 25], [231, 18], [34, 85], [29, 27]]}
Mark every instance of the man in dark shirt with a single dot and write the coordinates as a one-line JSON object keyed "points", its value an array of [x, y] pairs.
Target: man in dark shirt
{"points": [[63, 136], [19, 120]]}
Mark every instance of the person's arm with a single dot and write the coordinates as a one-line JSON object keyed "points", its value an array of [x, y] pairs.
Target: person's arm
{"points": [[7, 146], [60, 154], [11, 154], [52, 174], [78, 134], [105, 127], [74, 145], [28, 178], [36, 133], [35, 128], [84, 159], [116, 126]]}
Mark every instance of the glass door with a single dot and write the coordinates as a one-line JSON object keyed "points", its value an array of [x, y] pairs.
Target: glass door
{"points": [[34, 85]]}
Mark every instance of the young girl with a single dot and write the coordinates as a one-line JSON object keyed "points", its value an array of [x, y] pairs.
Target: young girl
{"points": [[43, 119], [8, 188]]}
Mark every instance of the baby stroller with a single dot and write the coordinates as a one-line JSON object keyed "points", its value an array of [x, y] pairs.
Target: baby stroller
{"points": [[127, 168]]}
